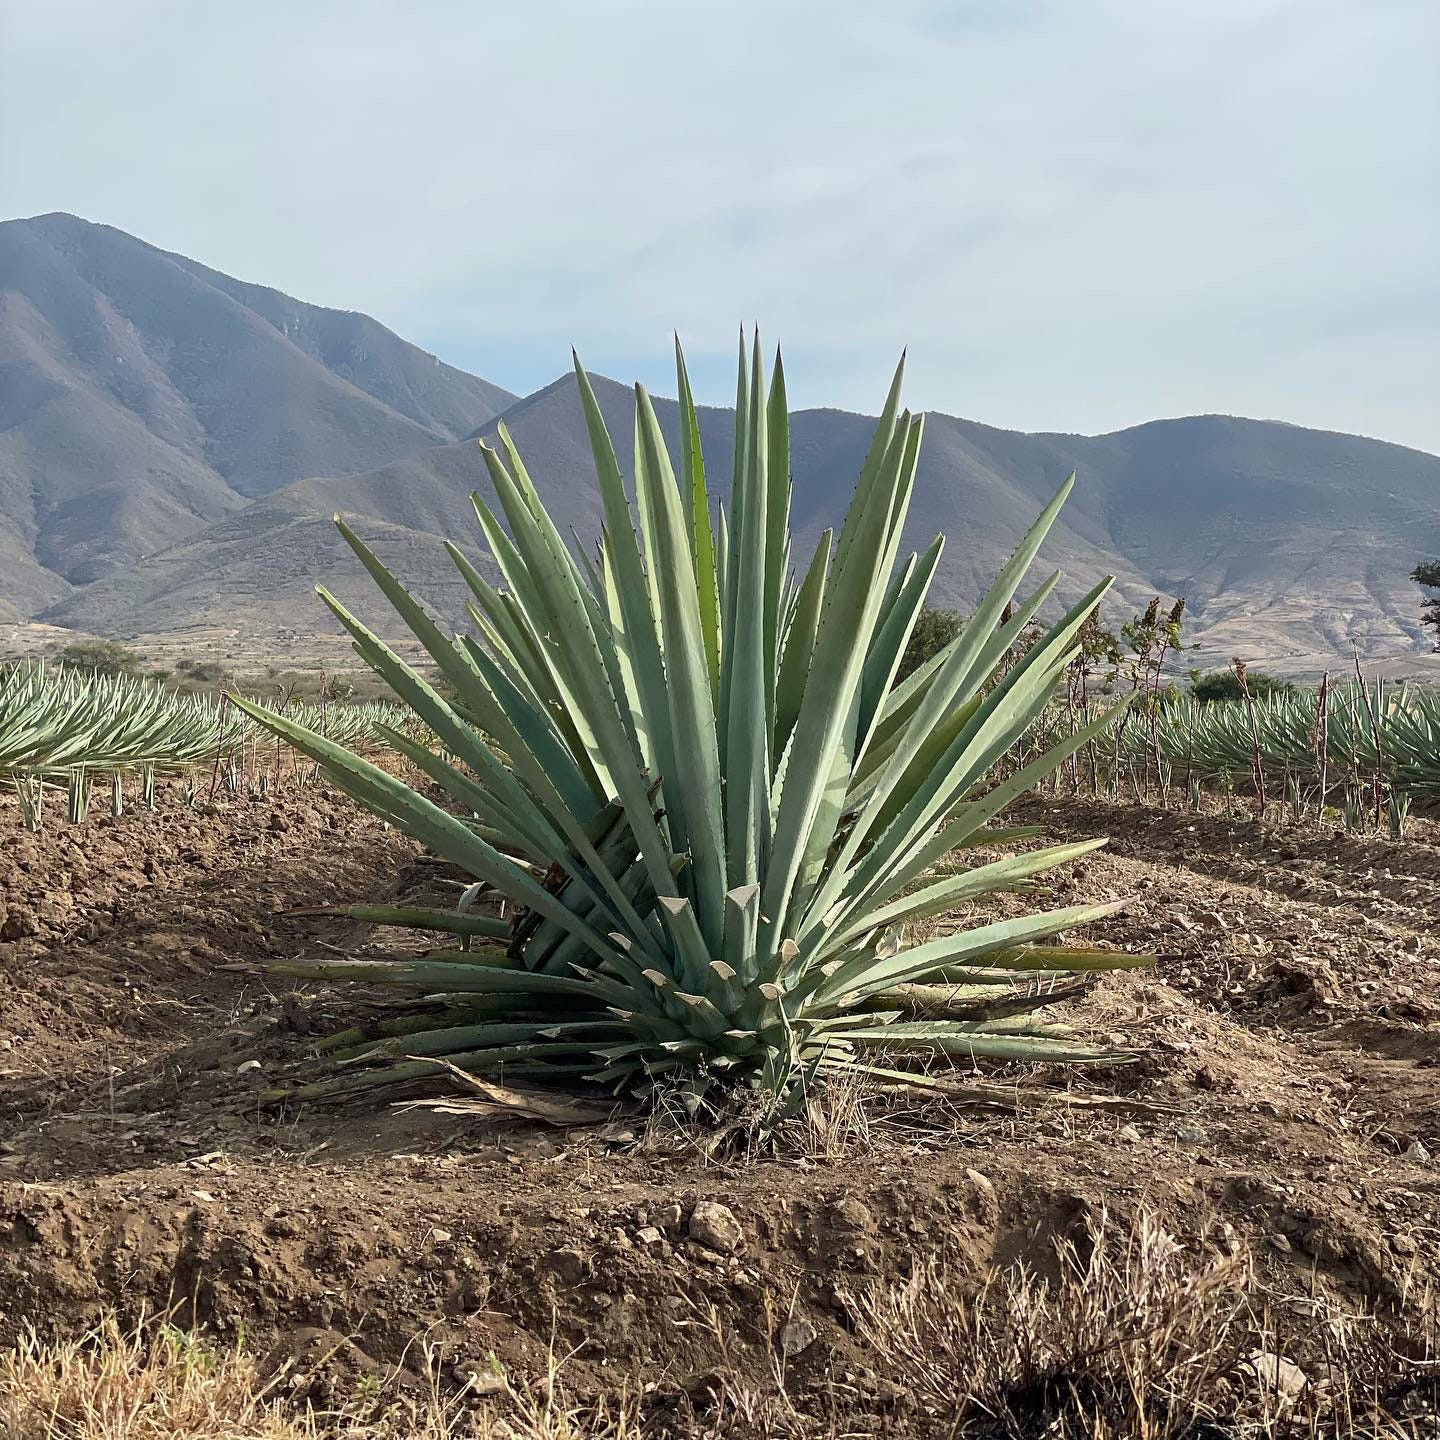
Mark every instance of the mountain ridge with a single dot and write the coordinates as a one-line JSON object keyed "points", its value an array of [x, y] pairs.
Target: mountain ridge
{"points": [[141, 400], [171, 440]]}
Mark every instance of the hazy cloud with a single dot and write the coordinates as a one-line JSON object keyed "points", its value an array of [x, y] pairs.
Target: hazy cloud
{"points": [[1078, 215]]}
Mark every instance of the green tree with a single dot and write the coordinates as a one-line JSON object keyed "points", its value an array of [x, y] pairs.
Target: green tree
{"points": [[935, 628], [1225, 685], [1427, 575], [108, 657]]}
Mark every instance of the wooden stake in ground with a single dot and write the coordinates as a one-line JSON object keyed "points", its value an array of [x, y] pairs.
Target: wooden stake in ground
{"points": [[1257, 764], [1372, 714]]}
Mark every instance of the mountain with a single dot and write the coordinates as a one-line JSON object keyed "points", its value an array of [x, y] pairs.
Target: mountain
{"points": [[144, 397], [1288, 543], [268, 556], [179, 440]]}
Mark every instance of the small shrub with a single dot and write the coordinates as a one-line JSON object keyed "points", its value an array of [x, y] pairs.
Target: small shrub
{"points": [[1137, 1336], [1427, 576], [935, 628], [105, 657], [1225, 685]]}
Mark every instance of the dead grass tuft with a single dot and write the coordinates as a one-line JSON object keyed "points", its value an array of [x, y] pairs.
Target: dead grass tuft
{"points": [[1133, 1339], [155, 1384], [160, 1383]]}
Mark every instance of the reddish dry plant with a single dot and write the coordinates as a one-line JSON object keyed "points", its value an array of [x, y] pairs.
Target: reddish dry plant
{"points": [[1320, 739], [1372, 715]]}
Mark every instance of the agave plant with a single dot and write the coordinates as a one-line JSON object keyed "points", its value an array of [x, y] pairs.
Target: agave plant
{"points": [[1397, 813], [689, 767]]}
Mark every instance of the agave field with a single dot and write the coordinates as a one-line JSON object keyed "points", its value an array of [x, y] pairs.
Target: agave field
{"points": [[64, 727], [709, 1040], [54, 721]]}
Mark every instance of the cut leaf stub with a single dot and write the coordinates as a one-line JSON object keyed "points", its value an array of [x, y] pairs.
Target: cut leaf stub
{"points": [[740, 920]]}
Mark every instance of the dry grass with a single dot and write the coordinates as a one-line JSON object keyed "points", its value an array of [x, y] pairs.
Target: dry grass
{"points": [[844, 1119], [112, 1386], [159, 1383], [1130, 1338], [1134, 1339]]}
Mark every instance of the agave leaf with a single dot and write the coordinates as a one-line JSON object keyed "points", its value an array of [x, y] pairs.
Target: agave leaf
{"points": [[969, 818], [777, 522], [975, 1002], [955, 1039], [446, 835], [870, 474], [894, 633], [800, 646], [695, 785], [611, 747], [633, 589], [414, 917], [748, 664], [430, 973], [955, 889], [959, 678], [900, 856], [826, 711], [584, 1035], [864, 977]]}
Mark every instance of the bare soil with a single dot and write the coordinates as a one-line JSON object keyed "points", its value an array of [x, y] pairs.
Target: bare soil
{"points": [[1287, 1103]]}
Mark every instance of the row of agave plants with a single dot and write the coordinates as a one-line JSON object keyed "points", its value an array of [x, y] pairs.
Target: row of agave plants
{"points": [[63, 728], [1363, 749], [734, 848], [1361, 746], [1348, 734]]}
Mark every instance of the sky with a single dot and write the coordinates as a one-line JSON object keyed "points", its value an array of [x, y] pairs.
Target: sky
{"points": [[1077, 214]]}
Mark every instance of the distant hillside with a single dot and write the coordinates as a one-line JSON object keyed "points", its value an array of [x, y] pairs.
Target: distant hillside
{"points": [[1299, 556], [143, 396], [178, 439]]}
